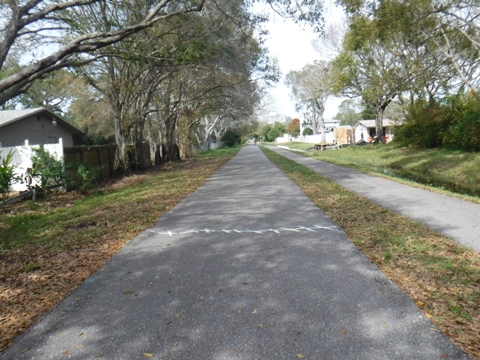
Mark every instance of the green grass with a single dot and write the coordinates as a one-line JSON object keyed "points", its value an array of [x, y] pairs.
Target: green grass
{"points": [[456, 172], [297, 145], [219, 153], [442, 277]]}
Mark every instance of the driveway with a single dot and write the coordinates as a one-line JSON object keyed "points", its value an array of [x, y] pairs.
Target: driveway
{"points": [[246, 267]]}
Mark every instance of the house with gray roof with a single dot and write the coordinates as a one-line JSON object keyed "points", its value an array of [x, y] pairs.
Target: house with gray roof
{"points": [[39, 126]]}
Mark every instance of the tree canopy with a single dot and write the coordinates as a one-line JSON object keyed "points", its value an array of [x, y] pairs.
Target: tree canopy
{"points": [[405, 51], [311, 86], [41, 36]]}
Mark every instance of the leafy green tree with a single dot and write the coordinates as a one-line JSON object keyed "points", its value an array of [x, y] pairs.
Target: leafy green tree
{"points": [[55, 91], [349, 112], [311, 87], [367, 113], [411, 32], [412, 51], [277, 130], [265, 131], [367, 69], [273, 134], [69, 33]]}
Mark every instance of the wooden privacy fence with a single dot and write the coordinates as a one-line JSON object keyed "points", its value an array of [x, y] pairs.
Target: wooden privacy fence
{"points": [[99, 156], [95, 156]]}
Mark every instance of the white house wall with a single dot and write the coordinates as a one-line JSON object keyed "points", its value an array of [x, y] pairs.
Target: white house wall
{"points": [[37, 129], [359, 129], [316, 139]]}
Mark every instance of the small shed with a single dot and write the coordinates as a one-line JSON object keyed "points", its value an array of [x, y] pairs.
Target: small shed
{"points": [[39, 126], [343, 135]]}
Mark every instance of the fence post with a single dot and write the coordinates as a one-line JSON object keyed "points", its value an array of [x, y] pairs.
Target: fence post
{"points": [[60, 150]]}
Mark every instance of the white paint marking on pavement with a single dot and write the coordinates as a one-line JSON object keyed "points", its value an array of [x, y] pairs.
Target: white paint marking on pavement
{"points": [[304, 228], [314, 228]]}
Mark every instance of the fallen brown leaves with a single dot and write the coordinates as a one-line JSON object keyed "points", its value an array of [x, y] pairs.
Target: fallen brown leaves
{"points": [[27, 295]]}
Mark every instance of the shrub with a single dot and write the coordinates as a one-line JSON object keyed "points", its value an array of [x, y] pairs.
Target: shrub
{"points": [[231, 138], [307, 131], [452, 123], [463, 132], [424, 126], [82, 177], [46, 169], [7, 177]]}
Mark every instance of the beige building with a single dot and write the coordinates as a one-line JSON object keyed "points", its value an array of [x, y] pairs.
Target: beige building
{"points": [[39, 126]]}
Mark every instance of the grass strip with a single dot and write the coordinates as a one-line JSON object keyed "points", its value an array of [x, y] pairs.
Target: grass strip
{"points": [[443, 278], [49, 248], [449, 171]]}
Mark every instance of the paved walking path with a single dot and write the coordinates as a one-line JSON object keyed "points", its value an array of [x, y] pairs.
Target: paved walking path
{"points": [[247, 267], [455, 218]]}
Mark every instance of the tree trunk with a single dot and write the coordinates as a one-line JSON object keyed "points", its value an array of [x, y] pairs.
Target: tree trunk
{"points": [[170, 139], [321, 109], [152, 143], [314, 119], [379, 110], [121, 155], [187, 143], [379, 124], [322, 130], [139, 152]]}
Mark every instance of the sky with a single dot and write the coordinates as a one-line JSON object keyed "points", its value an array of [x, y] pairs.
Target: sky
{"points": [[292, 46]]}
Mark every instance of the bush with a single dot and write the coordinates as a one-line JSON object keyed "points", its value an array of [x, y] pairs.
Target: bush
{"points": [[463, 132], [453, 123], [82, 177], [424, 126], [307, 131], [7, 177], [231, 138], [46, 169]]}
